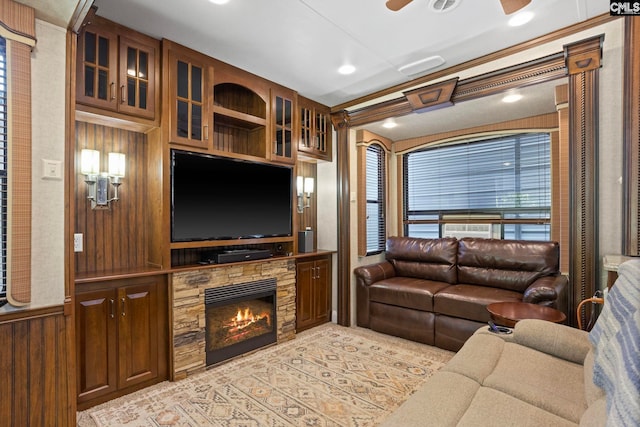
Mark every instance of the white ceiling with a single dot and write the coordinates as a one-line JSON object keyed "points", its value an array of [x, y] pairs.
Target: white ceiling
{"points": [[301, 43]]}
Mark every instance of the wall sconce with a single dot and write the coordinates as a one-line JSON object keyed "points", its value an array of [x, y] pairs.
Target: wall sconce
{"points": [[304, 188], [98, 182]]}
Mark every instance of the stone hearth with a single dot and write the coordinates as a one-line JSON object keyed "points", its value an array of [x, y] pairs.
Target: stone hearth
{"points": [[189, 321]]}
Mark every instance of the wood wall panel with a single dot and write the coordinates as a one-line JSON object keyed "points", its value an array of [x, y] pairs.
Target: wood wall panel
{"points": [[35, 365], [309, 217], [114, 238]]}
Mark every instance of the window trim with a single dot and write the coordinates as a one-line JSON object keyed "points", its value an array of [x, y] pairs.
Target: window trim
{"points": [[366, 139]]}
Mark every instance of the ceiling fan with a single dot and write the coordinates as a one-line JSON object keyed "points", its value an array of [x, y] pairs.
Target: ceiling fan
{"points": [[509, 6]]}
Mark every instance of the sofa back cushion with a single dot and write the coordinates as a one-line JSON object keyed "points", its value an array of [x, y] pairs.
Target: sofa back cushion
{"points": [[506, 264], [432, 259]]}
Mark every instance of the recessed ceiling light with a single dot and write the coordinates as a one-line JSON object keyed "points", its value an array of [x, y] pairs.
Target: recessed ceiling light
{"points": [[389, 124], [520, 19], [219, 1], [347, 69], [512, 97]]}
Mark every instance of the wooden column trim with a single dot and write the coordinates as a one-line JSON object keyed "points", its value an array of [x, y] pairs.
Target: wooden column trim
{"points": [[631, 138], [583, 62], [341, 124]]}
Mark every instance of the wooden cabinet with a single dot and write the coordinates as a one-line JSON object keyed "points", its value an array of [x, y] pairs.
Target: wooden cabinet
{"points": [[116, 69], [282, 119], [315, 130], [188, 95], [313, 292], [121, 337]]}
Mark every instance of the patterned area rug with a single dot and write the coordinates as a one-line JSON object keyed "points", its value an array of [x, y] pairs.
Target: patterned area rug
{"points": [[327, 376]]}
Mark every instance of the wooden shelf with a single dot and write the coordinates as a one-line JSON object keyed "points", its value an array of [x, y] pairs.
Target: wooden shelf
{"points": [[236, 119]]}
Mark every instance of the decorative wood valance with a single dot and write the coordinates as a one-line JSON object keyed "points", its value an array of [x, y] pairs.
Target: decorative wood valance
{"points": [[432, 97]]}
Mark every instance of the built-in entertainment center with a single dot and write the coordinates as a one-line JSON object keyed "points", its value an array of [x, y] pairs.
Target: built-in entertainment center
{"points": [[209, 200]]}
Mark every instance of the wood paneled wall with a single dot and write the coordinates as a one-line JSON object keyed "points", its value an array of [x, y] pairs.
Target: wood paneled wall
{"points": [[36, 388], [309, 217], [114, 238]]}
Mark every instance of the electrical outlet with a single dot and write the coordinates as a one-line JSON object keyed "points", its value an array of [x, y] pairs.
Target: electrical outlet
{"points": [[77, 242]]}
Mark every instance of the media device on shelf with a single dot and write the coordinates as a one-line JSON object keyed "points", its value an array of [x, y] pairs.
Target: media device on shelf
{"points": [[221, 198]]}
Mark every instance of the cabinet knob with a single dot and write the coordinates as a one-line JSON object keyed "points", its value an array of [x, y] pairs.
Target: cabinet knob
{"points": [[123, 95], [113, 91], [113, 308], [122, 303]]}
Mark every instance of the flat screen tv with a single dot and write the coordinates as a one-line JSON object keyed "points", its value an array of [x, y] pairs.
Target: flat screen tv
{"points": [[219, 198]]}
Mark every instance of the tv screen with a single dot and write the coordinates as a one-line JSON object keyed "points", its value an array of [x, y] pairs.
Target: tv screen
{"points": [[219, 198]]}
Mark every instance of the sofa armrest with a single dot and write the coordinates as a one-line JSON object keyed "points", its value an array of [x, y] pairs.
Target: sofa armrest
{"points": [[548, 290], [552, 338], [370, 274], [365, 277]]}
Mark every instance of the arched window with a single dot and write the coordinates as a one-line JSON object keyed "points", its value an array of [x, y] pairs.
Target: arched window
{"points": [[373, 157]]}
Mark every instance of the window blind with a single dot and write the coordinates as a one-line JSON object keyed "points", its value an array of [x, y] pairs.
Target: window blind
{"points": [[375, 196], [508, 176]]}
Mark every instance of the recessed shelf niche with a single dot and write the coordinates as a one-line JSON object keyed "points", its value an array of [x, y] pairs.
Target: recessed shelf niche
{"points": [[240, 120]]}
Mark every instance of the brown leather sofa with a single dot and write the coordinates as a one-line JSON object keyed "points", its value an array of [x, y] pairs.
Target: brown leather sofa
{"points": [[436, 291]]}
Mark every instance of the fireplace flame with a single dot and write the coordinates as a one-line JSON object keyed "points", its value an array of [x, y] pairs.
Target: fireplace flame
{"points": [[246, 318]]}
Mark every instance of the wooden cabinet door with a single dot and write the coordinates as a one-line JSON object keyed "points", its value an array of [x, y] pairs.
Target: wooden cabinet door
{"points": [[96, 344], [136, 92], [304, 296], [322, 282], [97, 68], [137, 333], [313, 293], [189, 98], [282, 132]]}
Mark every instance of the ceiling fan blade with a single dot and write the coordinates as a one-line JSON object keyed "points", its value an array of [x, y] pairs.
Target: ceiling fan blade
{"points": [[396, 5], [510, 6]]}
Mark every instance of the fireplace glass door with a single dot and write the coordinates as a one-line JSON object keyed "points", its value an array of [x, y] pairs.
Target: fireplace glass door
{"points": [[239, 318]]}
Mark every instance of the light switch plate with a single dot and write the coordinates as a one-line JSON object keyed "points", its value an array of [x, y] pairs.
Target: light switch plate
{"points": [[51, 169]]}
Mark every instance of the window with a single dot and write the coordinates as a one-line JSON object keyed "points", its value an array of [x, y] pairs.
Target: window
{"points": [[505, 181], [3, 169], [376, 230]]}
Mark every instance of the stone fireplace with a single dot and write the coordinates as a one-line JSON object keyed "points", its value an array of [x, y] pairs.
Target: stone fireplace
{"points": [[189, 332]]}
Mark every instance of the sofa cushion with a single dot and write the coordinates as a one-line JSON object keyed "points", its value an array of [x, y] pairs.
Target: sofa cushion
{"points": [[477, 358], [544, 381], [491, 408], [442, 401], [506, 264], [406, 292], [470, 301], [432, 259]]}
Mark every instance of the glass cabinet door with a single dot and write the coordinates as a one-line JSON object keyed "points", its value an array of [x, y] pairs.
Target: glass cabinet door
{"points": [[137, 78], [189, 124], [97, 68], [283, 128]]}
